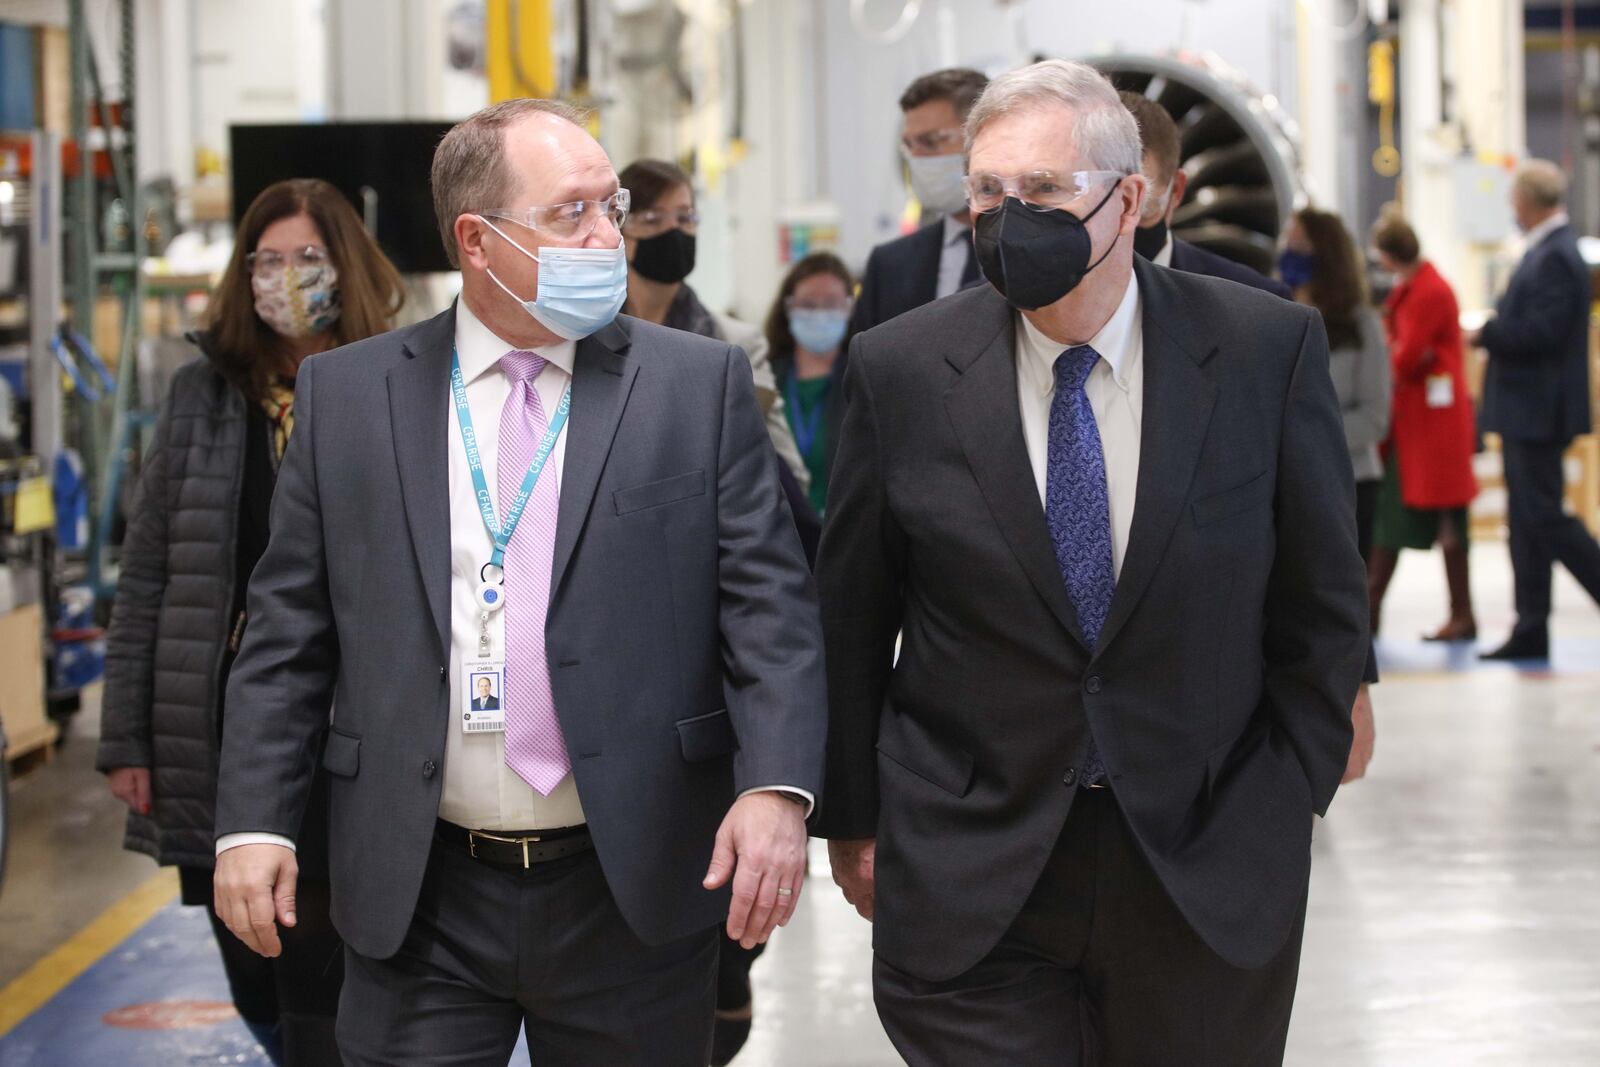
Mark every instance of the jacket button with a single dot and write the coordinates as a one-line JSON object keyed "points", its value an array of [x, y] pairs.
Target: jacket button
{"points": [[428, 768], [443, 674], [1092, 686], [1071, 777]]}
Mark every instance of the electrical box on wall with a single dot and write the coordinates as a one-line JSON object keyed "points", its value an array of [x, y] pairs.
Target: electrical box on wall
{"points": [[1482, 201]]}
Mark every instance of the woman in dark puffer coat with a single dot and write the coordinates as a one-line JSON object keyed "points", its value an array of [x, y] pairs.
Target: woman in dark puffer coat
{"points": [[304, 278]]}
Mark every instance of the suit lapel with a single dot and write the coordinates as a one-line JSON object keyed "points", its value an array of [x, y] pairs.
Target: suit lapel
{"points": [[602, 378], [419, 395], [983, 407], [1178, 400]]}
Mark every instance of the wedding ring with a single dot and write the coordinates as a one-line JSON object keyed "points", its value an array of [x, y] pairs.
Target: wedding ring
{"points": [[786, 892]]}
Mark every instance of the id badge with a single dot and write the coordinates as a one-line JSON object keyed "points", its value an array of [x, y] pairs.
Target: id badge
{"points": [[1441, 391], [483, 696]]}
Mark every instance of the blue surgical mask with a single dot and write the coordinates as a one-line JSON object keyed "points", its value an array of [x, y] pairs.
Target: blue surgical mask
{"points": [[818, 330], [580, 289], [1296, 268]]}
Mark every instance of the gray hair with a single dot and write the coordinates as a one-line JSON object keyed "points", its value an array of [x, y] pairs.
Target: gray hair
{"points": [[1543, 183], [470, 172], [1107, 135]]}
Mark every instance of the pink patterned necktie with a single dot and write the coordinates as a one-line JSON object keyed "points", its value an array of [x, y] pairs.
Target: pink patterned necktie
{"points": [[535, 748]]}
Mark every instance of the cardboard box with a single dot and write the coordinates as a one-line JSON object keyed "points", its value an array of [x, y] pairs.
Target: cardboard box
{"points": [[22, 705]]}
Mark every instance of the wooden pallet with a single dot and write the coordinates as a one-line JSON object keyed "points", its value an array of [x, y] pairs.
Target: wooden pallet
{"points": [[33, 750]]}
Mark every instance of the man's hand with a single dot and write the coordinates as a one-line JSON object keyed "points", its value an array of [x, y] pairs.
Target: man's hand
{"points": [[1365, 739], [761, 846], [255, 886], [853, 871], [131, 785]]}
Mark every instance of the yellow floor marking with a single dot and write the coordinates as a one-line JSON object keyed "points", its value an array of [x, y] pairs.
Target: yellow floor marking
{"points": [[35, 986]]}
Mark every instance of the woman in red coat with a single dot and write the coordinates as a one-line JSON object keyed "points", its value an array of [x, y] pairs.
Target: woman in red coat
{"points": [[1428, 480]]}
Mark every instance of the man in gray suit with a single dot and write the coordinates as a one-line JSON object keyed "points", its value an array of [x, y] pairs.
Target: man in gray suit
{"points": [[635, 579]]}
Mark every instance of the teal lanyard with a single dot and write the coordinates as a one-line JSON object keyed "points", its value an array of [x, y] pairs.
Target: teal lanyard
{"points": [[502, 534]]}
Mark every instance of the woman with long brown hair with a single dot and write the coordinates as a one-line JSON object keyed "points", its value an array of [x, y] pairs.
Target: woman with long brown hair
{"points": [[304, 278], [1320, 265]]}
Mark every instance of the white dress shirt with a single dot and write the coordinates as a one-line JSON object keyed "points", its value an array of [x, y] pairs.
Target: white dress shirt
{"points": [[953, 255], [1116, 393], [480, 791]]}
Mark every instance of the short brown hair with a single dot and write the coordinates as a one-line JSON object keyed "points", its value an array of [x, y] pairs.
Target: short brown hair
{"points": [[469, 166], [1393, 236], [245, 349], [1338, 285], [648, 181], [1158, 134], [780, 339], [960, 85]]}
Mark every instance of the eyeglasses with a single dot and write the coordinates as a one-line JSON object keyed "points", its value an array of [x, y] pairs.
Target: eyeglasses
{"points": [[1044, 190], [793, 303], [654, 221], [570, 222], [270, 260], [934, 142]]}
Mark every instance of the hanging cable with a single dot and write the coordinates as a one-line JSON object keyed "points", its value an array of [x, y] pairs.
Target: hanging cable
{"points": [[910, 11], [1380, 90], [1350, 30]]}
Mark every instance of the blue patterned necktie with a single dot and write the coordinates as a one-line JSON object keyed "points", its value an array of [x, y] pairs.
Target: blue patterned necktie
{"points": [[1078, 507]]}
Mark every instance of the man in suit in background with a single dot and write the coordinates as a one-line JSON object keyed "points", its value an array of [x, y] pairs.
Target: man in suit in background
{"points": [[1160, 158], [1108, 512], [636, 576], [1168, 182], [1536, 397], [936, 260]]}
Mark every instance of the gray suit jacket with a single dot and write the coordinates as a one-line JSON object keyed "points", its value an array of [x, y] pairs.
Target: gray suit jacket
{"points": [[683, 640], [1220, 690]]}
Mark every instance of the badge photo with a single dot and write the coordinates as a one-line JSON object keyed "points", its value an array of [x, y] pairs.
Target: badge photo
{"points": [[482, 699]]}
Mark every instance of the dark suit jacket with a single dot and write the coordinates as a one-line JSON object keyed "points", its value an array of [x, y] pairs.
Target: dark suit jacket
{"points": [[1196, 260], [489, 704], [682, 635], [900, 275], [1220, 694], [1536, 387]]}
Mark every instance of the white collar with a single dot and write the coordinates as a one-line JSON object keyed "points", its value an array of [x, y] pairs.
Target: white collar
{"points": [[480, 349], [1163, 258], [1545, 229], [1115, 342]]}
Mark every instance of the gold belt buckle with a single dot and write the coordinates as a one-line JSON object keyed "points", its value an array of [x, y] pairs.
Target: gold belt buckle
{"points": [[472, 843]]}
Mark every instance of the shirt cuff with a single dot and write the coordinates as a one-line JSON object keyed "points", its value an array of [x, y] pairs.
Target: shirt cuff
{"points": [[794, 791], [227, 841]]}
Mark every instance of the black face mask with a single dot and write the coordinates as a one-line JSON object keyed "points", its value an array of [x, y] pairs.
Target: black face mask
{"points": [[1148, 241], [1035, 257], [666, 258]]}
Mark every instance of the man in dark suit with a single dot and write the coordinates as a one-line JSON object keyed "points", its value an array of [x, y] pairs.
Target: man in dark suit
{"points": [[1536, 397], [486, 700], [936, 260], [1107, 509], [1168, 182], [635, 575]]}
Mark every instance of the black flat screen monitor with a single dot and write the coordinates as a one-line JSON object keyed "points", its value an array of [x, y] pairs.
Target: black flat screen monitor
{"points": [[381, 166]]}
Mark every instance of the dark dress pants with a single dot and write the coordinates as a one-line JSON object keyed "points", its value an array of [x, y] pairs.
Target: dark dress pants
{"points": [[1098, 969], [1542, 532], [290, 1001], [492, 951]]}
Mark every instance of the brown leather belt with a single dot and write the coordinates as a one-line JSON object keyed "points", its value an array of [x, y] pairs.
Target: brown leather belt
{"points": [[519, 848]]}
